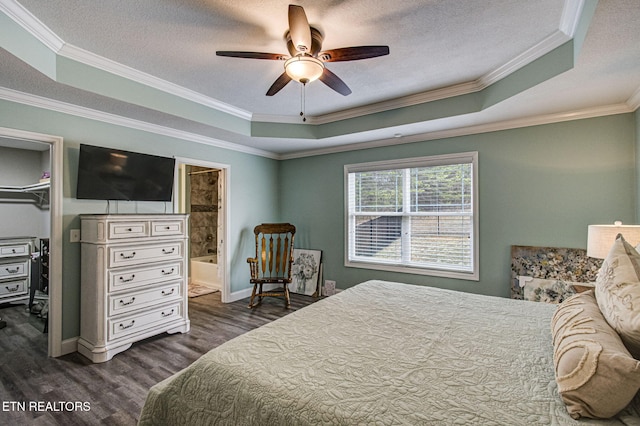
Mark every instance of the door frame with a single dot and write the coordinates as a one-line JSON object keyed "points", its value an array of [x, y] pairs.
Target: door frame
{"points": [[223, 214], [55, 344]]}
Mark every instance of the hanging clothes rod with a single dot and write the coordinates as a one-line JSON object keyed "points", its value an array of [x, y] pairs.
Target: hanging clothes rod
{"points": [[203, 171]]}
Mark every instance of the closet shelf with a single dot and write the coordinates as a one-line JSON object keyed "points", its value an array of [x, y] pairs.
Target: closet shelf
{"points": [[39, 190]]}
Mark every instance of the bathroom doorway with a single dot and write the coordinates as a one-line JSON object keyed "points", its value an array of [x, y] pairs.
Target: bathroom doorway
{"points": [[201, 193]]}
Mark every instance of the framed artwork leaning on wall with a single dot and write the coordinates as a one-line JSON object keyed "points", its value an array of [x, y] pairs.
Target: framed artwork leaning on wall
{"points": [[305, 271]]}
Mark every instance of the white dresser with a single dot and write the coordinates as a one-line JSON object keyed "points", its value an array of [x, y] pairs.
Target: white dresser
{"points": [[133, 281], [15, 268]]}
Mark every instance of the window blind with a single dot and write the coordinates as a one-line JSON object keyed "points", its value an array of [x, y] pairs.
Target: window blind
{"points": [[422, 216]]}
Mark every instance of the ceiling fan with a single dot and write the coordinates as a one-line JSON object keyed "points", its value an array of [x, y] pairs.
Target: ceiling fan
{"points": [[305, 62]]}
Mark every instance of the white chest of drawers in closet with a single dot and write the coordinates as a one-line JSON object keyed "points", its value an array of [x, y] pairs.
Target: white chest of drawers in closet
{"points": [[15, 268], [133, 281]]}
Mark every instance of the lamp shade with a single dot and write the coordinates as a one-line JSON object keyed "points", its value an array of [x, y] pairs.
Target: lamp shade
{"points": [[304, 69], [600, 238]]}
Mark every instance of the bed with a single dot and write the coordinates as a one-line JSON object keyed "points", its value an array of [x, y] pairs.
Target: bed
{"points": [[380, 353]]}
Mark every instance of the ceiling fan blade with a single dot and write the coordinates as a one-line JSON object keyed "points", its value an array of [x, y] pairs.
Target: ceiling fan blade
{"points": [[252, 55], [299, 29], [278, 84], [334, 82], [353, 53]]}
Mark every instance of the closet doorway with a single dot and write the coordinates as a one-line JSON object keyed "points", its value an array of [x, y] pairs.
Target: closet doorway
{"points": [[201, 191], [31, 208]]}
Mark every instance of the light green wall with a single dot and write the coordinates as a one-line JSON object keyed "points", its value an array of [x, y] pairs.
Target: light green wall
{"points": [[538, 186], [253, 181]]}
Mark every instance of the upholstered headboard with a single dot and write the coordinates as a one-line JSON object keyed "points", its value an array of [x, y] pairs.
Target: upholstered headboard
{"points": [[551, 263]]}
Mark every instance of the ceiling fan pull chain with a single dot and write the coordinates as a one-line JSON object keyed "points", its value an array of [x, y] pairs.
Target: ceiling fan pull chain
{"points": [[303, 101]]}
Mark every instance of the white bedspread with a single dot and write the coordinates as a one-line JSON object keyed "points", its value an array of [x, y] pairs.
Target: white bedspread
{"points": [[379, 353]]}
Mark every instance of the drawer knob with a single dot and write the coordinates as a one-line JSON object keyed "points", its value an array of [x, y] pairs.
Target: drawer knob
{"points": [[167, 228], [124, 327], [168, 272], [13, 271], [168, 314], [12, 289], [129, 230], [168, 293], [123, 303], [133, 253], [165, 251], [128, 280], [13, 250]]}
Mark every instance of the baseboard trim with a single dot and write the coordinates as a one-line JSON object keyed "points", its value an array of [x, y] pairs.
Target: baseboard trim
{"points": [[243, 294], [69, 346]]}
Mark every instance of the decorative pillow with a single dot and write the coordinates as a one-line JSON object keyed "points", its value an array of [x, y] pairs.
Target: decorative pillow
{"points": [[545, 290], [618, 292], [597, 376]]}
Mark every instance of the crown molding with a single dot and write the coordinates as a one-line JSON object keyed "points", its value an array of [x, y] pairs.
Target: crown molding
{"points": [[634, 100], [545, 46], [571, 12], [570, 17], [91, 114], [555, 40], [405, 101], [31, 24], [88, 58], [40, 102], [41, 32], [538, 120], [283, 119]]}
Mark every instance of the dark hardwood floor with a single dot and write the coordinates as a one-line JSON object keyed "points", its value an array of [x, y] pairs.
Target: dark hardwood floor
{"points": [[111, 393]]}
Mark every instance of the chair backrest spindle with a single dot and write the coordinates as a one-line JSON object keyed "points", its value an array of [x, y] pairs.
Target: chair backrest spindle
{"points": [[278, 254], [263, 253], [270, 255], [286, 250]]}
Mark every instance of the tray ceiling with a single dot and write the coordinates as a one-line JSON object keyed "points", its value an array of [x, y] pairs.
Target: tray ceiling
{"points": [[453, 65]]}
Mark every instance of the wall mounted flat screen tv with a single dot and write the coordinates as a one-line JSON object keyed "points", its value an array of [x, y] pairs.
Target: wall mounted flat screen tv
{"points": [[112, 174]]}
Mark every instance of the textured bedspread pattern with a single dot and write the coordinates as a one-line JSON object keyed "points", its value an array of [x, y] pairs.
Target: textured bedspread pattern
{"points": [[379, 353]]}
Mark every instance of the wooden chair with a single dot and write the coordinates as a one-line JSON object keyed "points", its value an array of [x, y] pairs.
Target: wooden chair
{"points": [[272, 263]]}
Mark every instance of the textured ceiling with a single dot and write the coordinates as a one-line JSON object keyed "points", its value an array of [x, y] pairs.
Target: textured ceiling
{"points": [[435, 45]]}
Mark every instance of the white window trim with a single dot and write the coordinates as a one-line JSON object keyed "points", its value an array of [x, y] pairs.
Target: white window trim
{"points": [[465, 157]]}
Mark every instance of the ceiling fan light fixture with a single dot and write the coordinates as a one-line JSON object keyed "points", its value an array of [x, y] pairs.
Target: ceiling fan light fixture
{"points": [[304, 69], [306, 63]]}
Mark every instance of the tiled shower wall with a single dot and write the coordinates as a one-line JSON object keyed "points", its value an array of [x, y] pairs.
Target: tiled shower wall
{"points": [[204, 211]]}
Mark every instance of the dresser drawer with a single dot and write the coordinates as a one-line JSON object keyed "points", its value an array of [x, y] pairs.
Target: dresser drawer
{"points": [[14, 288], [136, 323], [14, 269], [120, 280], [14, 250], [135, 255], [120, 304], [167, 227], [128, 229]]}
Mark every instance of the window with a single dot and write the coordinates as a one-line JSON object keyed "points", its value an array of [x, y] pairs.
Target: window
{"points": [[415, 215]]}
